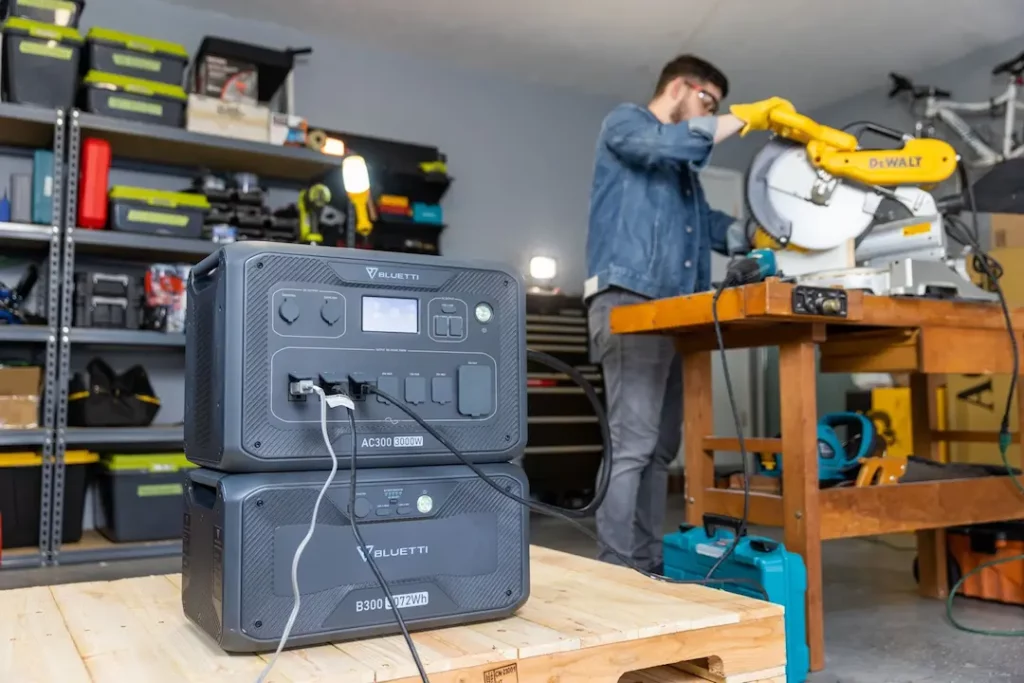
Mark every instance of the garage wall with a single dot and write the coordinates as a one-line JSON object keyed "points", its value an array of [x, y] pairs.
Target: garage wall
{"points": [[521, 154]]}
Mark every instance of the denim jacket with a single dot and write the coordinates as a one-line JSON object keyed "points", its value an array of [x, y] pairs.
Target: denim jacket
{"points": [[651, 230]]}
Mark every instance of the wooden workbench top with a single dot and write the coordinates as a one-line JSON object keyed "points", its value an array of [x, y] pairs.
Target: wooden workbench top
{"points": [[585, 620], [772, 302]]}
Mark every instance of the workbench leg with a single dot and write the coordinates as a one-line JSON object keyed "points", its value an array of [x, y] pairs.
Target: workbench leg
{"points": [[933, 580], [698, 422], [802, 524]]}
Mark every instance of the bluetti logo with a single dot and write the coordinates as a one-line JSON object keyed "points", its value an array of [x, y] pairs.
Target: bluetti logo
{"points": [[378, 274], [379, 553]]}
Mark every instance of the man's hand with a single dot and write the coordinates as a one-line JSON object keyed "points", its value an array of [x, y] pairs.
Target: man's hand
{"points": [[755, 114]]}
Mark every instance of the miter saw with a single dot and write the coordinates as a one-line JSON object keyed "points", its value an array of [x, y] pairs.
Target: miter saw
{"points": [[815, 195]]}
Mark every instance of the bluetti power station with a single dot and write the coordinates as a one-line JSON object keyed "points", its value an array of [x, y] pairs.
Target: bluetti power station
{"points": [[290, 353]]}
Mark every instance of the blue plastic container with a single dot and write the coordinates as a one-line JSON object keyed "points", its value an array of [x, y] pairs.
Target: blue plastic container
{"points": [[42, 187], [691, 552], [427, 213]]}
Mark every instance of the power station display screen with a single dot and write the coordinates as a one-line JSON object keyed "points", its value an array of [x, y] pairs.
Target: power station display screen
{"points": [[390, 314]]}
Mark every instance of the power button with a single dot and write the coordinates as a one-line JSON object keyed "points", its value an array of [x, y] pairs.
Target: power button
{"points": [[361, 507]]}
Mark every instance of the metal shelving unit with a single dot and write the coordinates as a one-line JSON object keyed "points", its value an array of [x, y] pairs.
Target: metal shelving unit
{"points": [[103, 337], [26, 127], [155, 147]]}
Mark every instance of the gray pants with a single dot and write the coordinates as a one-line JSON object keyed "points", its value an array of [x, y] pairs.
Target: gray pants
{"points": [[643, 390]]}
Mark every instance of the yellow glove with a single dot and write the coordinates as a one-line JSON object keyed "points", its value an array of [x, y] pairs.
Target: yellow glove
{"points": [[755, 114]]}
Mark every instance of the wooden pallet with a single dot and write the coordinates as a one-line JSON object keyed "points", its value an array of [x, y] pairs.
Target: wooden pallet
{"points": [[585, 622]]}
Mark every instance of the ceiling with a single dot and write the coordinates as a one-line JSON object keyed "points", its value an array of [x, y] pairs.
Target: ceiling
{"points": [[812, 51]]}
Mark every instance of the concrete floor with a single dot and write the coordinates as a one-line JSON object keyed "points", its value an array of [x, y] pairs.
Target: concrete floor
{"points": [[877, 629]]}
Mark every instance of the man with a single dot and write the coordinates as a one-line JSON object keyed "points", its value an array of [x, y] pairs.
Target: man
{"points": [[650, 236]]}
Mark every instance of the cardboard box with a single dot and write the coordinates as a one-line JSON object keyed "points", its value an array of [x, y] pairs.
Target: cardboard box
{"points": [[228, 119], [889, 408], [1007, 230], [976, 403], [19, 397]]}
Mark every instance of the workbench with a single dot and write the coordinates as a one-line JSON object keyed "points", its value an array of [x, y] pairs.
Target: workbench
{"points": [[927, 338], [585, 622]]}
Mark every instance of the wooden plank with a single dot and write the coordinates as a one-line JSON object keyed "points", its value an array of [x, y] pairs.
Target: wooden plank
{"points": [[765, 509], [133, 630], [801, 530], [852, 512], [948, 350], [748, 646], [35, 646], [731, 444], [748, 334], [585, 621], [885, 350], [698, 421], [969, 436], [931, 544], [703, 674]]}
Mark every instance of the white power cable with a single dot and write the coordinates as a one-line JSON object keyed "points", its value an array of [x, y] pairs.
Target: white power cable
{"points": [[306, 387]]}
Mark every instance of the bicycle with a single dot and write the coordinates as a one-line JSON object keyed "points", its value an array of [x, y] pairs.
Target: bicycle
{"points": [[939, 106]]}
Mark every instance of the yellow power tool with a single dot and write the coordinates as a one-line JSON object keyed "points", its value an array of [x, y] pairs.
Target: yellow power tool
{"points": [[815, 194], [312, 201]]}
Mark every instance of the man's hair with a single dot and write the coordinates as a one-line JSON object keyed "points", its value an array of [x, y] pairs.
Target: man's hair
{"points": [[694, 67]]}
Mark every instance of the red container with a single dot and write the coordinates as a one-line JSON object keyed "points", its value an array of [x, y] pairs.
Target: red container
{"points": [[92, 190]]}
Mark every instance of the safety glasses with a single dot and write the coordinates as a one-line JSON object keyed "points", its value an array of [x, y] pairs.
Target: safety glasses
{"points": [[709, 101]]}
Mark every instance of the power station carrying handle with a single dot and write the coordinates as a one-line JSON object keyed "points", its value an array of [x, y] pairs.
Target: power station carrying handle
{"points": [[714, 521]]}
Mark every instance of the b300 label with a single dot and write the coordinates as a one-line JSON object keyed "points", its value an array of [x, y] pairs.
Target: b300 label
{"points": [[392, 442], [401, 601]]}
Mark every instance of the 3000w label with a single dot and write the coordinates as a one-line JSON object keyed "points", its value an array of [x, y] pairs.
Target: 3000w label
{"points": [[391, 442], [401, 601]]}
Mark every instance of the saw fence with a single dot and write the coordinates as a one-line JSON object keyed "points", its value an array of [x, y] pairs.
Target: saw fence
{"points": [[927, 338]]}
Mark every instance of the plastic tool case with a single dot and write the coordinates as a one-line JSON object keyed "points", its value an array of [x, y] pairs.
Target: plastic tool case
{"points": [[40, 63], [135, 99], [140, 496], [691, 552], [20, 489], [123, 54], [56, 12], [139, 209]]}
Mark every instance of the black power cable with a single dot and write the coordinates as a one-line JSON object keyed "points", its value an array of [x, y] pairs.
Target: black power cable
{"points": [[730, 278], [542, 508]]}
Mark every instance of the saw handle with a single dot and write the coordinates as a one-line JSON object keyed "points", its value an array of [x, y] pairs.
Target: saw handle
{"points": [[803, 129]]}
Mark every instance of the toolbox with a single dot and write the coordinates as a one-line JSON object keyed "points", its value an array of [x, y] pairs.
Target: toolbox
{"points": [[972, 546], [691, 552], [110, 300], [124, 54], [57, 12], [139, 209], [140, 496], [124, 97], [40, 63], [21, 477]]}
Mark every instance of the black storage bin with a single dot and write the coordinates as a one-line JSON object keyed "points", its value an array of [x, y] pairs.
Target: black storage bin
{"points": [[57, 12], [100, 397], [124, 97], [110, 300], [140, 496], [40, 63], [21, 477], [157, 212], [114, 52]]}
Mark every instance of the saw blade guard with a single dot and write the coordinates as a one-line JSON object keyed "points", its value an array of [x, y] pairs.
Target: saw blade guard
{"points": [[799, 206]]}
